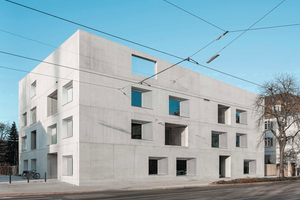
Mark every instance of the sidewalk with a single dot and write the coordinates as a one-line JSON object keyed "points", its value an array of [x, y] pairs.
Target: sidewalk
{"points": [[20, 186]]}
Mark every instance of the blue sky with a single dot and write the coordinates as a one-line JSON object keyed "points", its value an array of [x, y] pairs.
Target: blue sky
{"points": [[255, 56]]}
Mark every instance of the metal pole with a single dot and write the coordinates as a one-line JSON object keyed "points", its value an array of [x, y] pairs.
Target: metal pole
{"points": [[28, 178], [10, 179], [45, 177]]}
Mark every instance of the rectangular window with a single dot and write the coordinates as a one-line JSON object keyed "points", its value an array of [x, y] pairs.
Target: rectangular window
{"points": [[33, 140], [269, 125], [33, 164], [24, 119], [219, 139], [24, 143], [241, 117], [241, 140], [249, 166], [179, 106], [176, 134], [143, 66], [277, 107], [185, 166], [223, 114], [67, 165], [158, 165], [68, 127], [270, 159], [52, 104], [141, 130], [52, 134], [33, 115], [68, 92], [268, 142], [141, 97], [33, 89], [25, 165]]}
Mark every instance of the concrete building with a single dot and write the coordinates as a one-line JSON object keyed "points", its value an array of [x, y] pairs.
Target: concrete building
{"points": [[96, 124]]}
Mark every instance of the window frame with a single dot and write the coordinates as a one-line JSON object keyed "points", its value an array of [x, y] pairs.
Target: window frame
{"points": [[184, 106]]}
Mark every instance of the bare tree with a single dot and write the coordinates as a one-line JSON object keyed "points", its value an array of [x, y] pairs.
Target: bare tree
{"points": [[4, 130], [279, 101]]}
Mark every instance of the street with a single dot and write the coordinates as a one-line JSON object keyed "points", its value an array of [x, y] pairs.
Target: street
{"points": [[276, 190]]}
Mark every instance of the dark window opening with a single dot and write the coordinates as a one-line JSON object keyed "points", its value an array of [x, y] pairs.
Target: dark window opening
{"points": [[181, 167], [237, 141], [214, 140], [246, 167], [175, 134], [136, 131], [153, 167]]}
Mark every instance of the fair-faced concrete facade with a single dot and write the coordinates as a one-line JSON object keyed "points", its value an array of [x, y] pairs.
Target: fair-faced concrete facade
{"points": [[102, 148]]}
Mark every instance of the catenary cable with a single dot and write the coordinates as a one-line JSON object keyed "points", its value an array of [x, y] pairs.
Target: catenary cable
{"points": [[249, 27], [110, 34], [195, 16], [93, 29], [267, 27]]}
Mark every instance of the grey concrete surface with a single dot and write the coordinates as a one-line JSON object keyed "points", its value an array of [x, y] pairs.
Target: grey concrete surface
{"points": [[20, 186], [279, 190]]}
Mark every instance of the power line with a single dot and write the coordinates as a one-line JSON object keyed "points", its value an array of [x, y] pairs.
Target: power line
{"points": [[59, 48], [249, 27], [267, 27], [47, 75], [103, 33], [64, 66], [88, 27], [195, 15]]}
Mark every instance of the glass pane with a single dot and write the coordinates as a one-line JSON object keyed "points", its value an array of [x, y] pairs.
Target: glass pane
{"points": [[215, 140], [246, 167], [136, 131], [237, 117], [53, 136], [237, 141], [142, 66], [136, 98], [174, 107], [181, 167], [152, 166]]}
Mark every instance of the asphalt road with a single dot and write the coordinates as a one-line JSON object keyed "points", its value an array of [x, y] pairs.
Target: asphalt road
{"points": [[280, 190]]}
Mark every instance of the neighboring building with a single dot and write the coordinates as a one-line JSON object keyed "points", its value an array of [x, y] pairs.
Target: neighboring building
{"points": [[270, 143], [105, 128]]}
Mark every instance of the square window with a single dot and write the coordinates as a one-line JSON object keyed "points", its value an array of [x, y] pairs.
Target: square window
{"points": [[241, 140], [67, 165], [241, 117], [33, 115], [141, 130], [268, 142], [179, 106], [158, 165], [219, 139], [176, 134], [68, 92], [52, 104], [143, 66], [33, 89], [249, 166], [52, 134], [24, 119], [68, 127], [33, 140], [185, 166], [141, 97]]}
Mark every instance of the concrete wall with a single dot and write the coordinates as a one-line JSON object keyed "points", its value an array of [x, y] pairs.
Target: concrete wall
{"points": [[46, 83], [106, 150]]}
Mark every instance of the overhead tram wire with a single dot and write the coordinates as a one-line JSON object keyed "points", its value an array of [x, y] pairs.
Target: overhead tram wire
{"points": [[267, 27], [93, 29], [195, 16], [249, 27], [112, 35]]}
